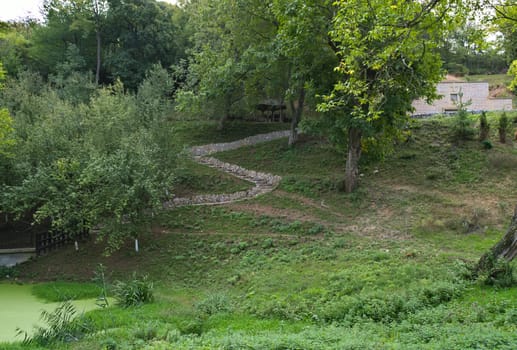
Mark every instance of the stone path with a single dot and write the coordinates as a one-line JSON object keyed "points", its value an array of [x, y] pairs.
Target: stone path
{"points": [[264, 182]]}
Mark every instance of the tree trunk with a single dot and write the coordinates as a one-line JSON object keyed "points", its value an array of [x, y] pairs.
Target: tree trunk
{"points": [[505, 249], [98, 70], [352, 161], [297, 116]]}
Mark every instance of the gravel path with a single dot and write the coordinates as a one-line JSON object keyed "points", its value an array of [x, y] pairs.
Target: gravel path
{"points": [[264, 182]]}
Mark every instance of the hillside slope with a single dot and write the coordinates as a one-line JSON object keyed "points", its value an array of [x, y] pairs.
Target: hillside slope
{"points": [[308, 267]]}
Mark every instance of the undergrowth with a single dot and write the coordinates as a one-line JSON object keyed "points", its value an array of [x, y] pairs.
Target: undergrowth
{"points": [[308, 267]]}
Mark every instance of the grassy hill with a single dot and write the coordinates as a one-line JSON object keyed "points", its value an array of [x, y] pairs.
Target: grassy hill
{"points": [[309, 267]]}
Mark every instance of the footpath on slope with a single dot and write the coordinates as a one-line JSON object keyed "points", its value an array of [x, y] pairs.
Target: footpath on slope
{"points": [[264, 182]]}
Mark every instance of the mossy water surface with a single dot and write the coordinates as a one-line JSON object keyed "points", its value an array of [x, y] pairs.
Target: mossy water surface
{"points": [[20, 309]]}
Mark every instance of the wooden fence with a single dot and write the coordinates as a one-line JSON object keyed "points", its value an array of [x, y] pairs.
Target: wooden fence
{"points": [[48, 241]]}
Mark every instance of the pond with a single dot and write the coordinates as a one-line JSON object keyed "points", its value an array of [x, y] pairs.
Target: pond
{"points": [[20, 309]]}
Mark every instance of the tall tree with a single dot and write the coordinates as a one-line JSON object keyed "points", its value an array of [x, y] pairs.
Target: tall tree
{"points": [[303, 42], [139, 34], [249, 50], [386, 61], [116, 39]]}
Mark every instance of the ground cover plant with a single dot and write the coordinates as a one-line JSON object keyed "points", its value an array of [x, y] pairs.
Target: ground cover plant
{"points": [[309, 267]]}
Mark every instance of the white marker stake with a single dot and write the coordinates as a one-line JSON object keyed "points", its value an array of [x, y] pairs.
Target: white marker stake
{"points": [[76, 246], [136, 245]]}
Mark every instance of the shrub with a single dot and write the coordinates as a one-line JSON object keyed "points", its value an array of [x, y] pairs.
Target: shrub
{"points": [[134, 292], [484, 127], [462, 126], [8, 272], [499, 274], [503, 127], [487, 144]]}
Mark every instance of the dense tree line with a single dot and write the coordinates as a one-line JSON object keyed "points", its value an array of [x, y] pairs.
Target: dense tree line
{"points": [[111, 39]]}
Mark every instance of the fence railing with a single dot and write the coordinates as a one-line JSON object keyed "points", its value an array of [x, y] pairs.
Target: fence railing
{"points": [[48, 241]]}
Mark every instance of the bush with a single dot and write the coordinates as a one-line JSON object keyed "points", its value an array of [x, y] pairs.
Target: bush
{"points": [[134, 292], [484, 127], [462, 127], [487, 144], [499, 274], [504, 123]]}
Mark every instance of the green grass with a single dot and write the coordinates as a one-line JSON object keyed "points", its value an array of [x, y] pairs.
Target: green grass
{"points": [[62, 291], [203, 132], [309, 267], [193, 178]]}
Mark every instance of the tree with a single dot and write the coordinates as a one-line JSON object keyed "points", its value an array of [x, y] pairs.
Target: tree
{"points": [[6, 129], [139, 34], [115, 39], [257, 50], [108, 161], [14, 43], [303, 43], [387, 59]]}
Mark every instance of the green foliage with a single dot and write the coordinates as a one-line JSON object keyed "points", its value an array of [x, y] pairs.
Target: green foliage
{"points": [[8, 272], [487, 144], [250, 51], [308, 186], [484, 127], [496, 272], [132, 37], [62, 325], [101, 282], [463, 125], [504, 123], [512, 71], [500, 275], [214, 303], [466, 50], [79, 165], [7, 141], [135, 292], [385, 64]]}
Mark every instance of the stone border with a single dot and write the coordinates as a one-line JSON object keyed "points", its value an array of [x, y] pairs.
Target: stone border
{"points": [[264, 182]]}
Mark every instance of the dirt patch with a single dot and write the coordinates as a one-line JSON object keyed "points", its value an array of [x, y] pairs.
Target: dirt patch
{"points": [[499, 91]]}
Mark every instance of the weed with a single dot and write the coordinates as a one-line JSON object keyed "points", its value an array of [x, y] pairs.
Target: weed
{"points": [[100, 279], [499, 274], [62, 325], [146, 332], [213, 304], [137, 291]]}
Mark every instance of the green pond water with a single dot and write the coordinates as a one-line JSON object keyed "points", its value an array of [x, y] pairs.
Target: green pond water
{"points": [[20, 309]]}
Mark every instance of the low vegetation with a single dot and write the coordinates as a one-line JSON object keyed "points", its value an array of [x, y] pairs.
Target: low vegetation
{"points": [[310, 267]]}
